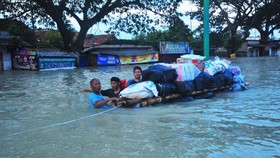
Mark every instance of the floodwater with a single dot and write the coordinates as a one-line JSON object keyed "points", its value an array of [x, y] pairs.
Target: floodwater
{"points": [[43, 114]]}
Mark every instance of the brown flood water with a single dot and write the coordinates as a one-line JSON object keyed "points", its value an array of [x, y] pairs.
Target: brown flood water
{"points": [[42, 114]]}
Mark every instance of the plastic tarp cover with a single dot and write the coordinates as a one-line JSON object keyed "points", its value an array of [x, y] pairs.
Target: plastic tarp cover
{"points": [[165, 89], [159, 74], [214, 66], [145, 89], [185, 71]]}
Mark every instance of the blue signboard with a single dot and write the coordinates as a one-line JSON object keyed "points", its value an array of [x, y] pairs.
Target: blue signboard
{"points": [[56, 63], [174, 48], [104, 59]]}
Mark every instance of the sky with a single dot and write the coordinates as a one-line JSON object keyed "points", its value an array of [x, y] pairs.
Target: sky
{"points": [[101, 28], [184, 7]]}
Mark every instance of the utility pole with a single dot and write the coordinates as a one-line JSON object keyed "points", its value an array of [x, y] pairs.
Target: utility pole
{"points": [[206, 29]]}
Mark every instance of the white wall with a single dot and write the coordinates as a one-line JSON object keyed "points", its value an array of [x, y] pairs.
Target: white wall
{"points": [[7, 59]]}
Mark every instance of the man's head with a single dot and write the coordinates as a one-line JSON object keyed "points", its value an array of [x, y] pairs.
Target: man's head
{"points": [[95, 85], [115, 83], [137, 72]]}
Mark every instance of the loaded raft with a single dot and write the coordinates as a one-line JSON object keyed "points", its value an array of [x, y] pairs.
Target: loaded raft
{"points": [[190, 78]]}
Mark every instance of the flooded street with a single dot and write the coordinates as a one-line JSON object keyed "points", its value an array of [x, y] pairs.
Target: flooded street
{"points": [[43, 114]]}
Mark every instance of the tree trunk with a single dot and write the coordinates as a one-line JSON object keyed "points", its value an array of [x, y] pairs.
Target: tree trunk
{"points": [[231, 45], [65, 34], [79, 43], [263, 41], [66, 37]]}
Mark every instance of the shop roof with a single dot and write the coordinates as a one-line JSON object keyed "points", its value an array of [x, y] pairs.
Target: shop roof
{"points": [[6, 39], [93, 40], [124, 50]]}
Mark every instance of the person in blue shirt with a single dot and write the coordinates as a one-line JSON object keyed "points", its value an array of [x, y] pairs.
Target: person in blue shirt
{"points": [[137, 74], [96, 99]]}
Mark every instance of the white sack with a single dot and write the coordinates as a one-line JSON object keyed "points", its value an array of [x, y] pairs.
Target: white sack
{"points": [[145, 89]]}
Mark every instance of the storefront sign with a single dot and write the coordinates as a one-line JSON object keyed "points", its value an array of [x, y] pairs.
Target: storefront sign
{"points": [[104, 59], [139, 59], [25, 59], [174, 48], [56, 63]]}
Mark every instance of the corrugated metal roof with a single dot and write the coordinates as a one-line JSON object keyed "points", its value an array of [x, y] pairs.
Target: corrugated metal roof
{"points": [[122, 50], [122, 46], [6, 39], [125, 53], [253, 38]]}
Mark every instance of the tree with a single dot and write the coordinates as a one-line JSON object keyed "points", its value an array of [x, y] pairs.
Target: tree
{"points": [[266, 20], [227, 16], [231, 15], [155, 36], [54, 39], [132, 16], [178, 31]]}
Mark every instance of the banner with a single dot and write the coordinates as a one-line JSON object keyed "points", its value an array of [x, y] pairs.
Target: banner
{"points": [[174, 48], [56, 63], [139, 59], [104, 59], [23, 61]]}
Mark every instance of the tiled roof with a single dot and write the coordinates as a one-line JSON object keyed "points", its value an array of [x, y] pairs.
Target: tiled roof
{"points": [[92, 40], [41, 35]]}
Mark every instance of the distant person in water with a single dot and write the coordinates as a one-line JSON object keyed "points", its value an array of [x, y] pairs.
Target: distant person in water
{"points": [[137, 74], [96, 99]]}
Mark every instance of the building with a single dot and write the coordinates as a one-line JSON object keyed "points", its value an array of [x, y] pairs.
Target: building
{"points": [[116, 54], [92, 40], [44, 59], [274, 48], [8, 44], [253, 46]]}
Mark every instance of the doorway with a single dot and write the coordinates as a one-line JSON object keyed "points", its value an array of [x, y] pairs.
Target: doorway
{"points": [[1, 61]]}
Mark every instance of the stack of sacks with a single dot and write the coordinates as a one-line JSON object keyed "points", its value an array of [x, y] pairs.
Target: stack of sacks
{"points": [[224, 74], [164, 78], [183, 83], [185, 71]]}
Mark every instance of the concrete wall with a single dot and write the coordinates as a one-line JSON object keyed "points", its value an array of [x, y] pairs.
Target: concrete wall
{"points": [[7, 59], [274, 52]]}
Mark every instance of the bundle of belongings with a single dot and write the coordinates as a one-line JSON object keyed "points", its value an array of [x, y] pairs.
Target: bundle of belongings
{"points": [[187, 79]]}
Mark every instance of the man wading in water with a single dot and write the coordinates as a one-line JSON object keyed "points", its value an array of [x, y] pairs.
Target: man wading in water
{"points": [[137, 73], [96, 99]]}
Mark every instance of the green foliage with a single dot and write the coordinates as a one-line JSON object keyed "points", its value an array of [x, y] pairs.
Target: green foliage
{"points": [[232, 44], [218, 39], [177, 31], [54, 39], [131, 16]]}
